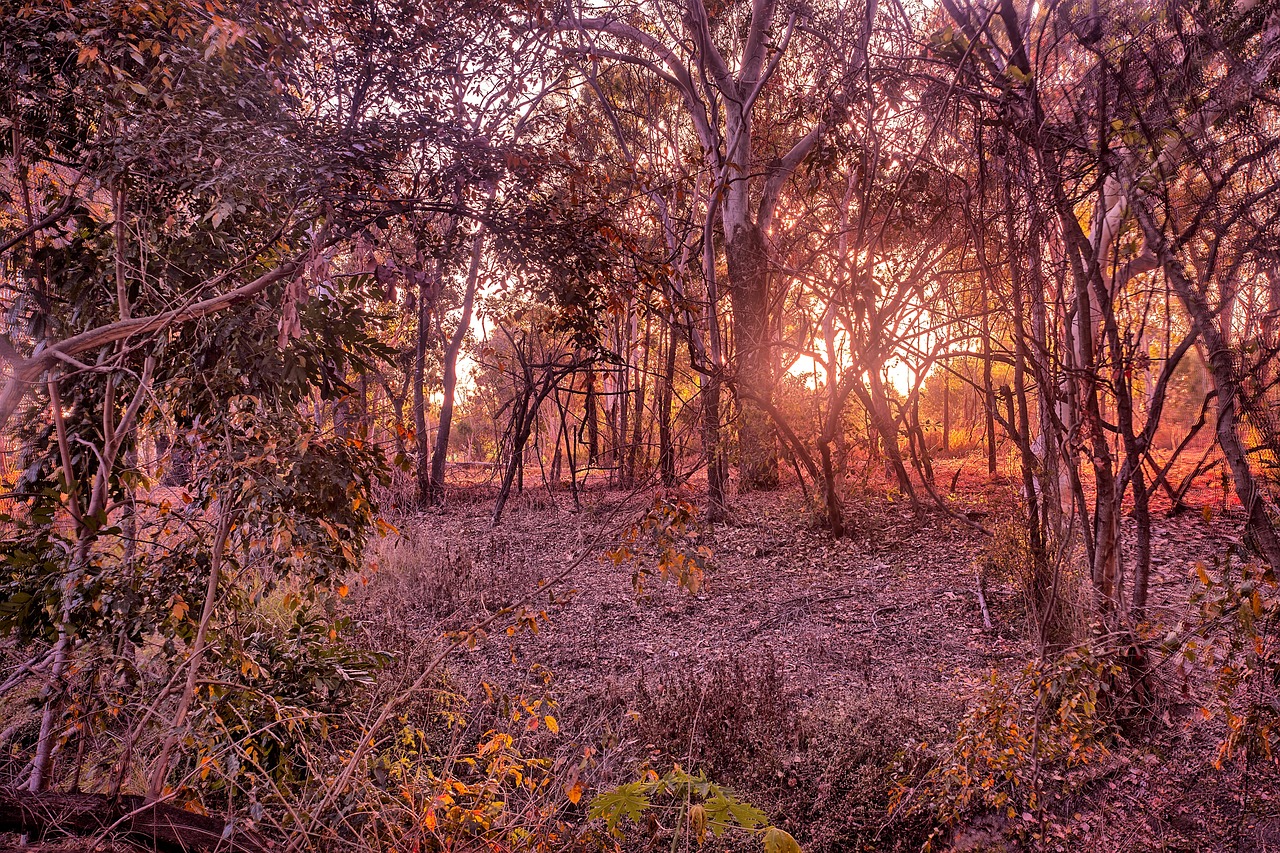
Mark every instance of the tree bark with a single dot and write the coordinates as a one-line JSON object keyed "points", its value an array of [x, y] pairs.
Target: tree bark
{"points": [[1223, 372], [748, 264], [946, 409], [987, 390], [637, 426]]}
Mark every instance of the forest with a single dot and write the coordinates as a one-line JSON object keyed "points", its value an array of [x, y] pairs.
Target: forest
{"points": [[555, 426]]}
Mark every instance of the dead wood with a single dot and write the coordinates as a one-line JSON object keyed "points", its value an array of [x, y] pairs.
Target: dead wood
{"points": [[153, 826]]}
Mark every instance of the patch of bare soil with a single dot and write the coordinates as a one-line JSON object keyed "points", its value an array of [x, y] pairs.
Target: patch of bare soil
{"points": [[861, 648]]}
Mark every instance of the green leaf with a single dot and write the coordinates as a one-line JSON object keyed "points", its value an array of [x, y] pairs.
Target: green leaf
{"points": [[626, 801], [747, 816]]}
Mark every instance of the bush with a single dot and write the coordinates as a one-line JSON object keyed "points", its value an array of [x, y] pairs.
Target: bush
{"points": [[1017, 748]]}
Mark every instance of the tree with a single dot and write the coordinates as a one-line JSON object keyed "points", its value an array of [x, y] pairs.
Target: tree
{"points": [[720, 72]]}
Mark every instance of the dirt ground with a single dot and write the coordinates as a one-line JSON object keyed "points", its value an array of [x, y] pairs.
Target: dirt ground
{"points": [[886, 617]]}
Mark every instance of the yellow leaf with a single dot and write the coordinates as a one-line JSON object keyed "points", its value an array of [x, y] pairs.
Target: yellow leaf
{"points": [[698, 822], [779, 841], [575, 793], [431, 821], [552, 725]]}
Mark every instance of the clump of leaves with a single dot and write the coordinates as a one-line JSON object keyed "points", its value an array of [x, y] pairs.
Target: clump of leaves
{"points": [[1237, 612], [686, 805], [1021, 741], [669, 536], [458, 774], [283, 679]]}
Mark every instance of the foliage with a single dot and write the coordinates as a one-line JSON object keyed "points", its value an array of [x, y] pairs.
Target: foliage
{"points": [[1022, 742], [669, 535], [127, 590], [437, 786], [233, 233], [1237, 610], [694, 804]]}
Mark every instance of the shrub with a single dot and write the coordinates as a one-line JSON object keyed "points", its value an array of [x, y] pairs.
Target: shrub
{"points": [[1234, 636], [1017, 746]]}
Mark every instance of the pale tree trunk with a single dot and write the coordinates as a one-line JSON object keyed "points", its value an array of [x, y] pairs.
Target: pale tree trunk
{"points": [[637, 426], [719, 93], [557, 458], [717, 465], [946, 409], [591, 415], [435, 486], [987, 391]]}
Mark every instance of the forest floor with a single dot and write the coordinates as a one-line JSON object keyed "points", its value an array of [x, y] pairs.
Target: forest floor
{"points": [[808, 673]]}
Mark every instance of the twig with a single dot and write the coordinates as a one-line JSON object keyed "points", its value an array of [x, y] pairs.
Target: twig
{"points": [[982, 602]]}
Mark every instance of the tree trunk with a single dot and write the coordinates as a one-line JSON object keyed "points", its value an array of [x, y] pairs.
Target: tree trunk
{"points": [[435, 484], [717, 465], [988, 392], [619, 426], [834, 512], [748, 264], [158, 826], [1222, 370], [946, 410], [918, 432], [875, 400], [592, 418], [419, 394], [1142, 571], [666, 453], [557, 457], [637, 426]]}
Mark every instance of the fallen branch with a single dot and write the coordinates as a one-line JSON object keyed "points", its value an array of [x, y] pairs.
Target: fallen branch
{"points": [[155, 825], [982, 602]]}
